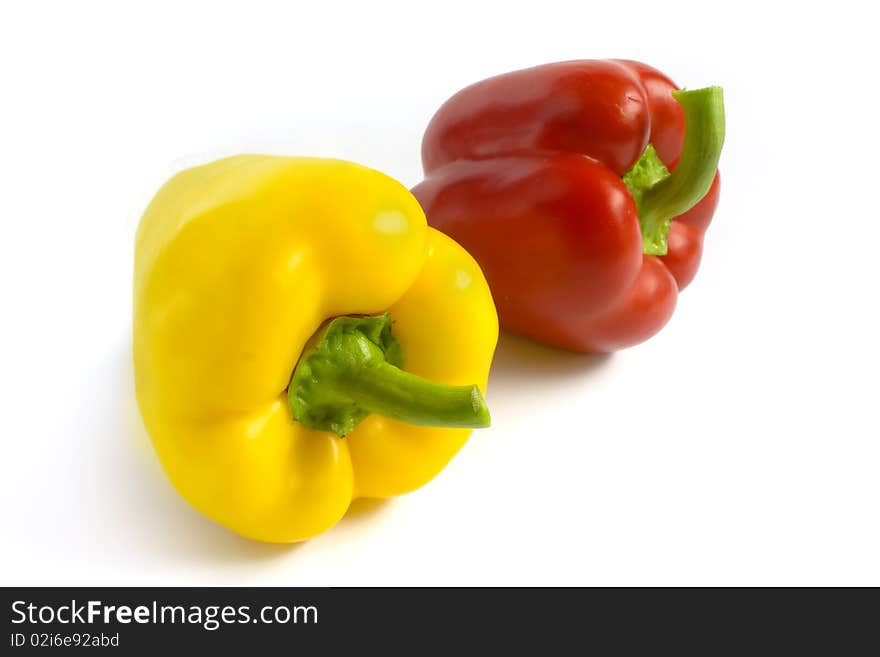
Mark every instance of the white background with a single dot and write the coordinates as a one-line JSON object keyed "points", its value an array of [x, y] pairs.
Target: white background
{"points": [[739, 446]]}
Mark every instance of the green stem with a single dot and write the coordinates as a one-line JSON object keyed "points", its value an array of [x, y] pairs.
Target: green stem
{"points": [[399, 395], [353, 368], [659, 195]]}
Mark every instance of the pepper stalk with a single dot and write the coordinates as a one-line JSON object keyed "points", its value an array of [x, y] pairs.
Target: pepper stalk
{"points": [[659, 195], [353, 367]]}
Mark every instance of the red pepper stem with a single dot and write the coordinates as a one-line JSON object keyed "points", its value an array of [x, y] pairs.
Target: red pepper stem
{"points": [[659, 195]]}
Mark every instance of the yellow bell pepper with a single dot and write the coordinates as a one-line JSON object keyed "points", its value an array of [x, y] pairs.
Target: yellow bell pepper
{"points": [[238, 265]]}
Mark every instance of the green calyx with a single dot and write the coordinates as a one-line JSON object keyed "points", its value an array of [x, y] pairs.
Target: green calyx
{"points": [[647, 172], [659, 195], [354, 368]]}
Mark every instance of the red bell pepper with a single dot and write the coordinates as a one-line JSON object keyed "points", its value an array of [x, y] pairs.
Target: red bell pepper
{"points": [[557, 180]]}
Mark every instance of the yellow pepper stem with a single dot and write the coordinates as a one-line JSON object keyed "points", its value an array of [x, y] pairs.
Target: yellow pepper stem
{"points": [[355, 369]]}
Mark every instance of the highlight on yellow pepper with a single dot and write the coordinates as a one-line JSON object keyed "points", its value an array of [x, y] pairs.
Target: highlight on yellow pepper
{"points": [[302, 338]]}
